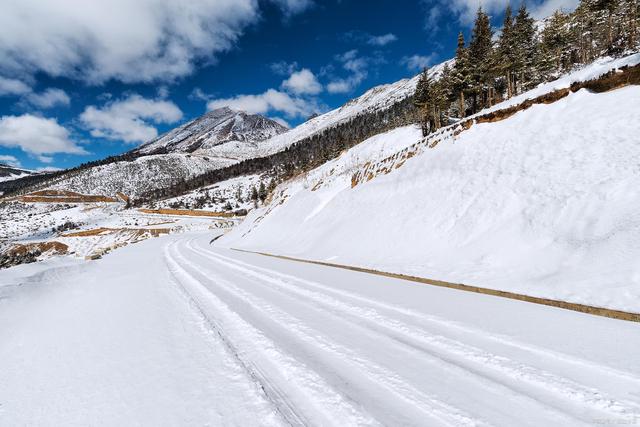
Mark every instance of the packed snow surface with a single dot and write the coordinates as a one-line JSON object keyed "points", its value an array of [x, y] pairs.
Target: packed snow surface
{"points": [[175, 331], [545, 203]]}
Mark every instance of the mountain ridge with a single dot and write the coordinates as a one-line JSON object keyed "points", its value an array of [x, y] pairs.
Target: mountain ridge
{"points": [[213, 128]]}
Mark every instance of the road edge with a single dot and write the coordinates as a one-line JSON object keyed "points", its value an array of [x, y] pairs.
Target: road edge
{"points": [[582, 308]]}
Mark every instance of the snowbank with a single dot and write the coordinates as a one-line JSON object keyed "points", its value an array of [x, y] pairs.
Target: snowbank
{"points": [[545, 203]]}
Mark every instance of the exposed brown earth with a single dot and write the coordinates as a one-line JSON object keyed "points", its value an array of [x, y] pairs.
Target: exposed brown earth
{"points": [[24, 248], [62, 196], [92, 232], [54, 193], [187, 212], [155, 232], [24, 253], [122, 197]]}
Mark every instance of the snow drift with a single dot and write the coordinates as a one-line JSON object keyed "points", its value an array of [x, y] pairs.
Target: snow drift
{"points": [[545, 203]]}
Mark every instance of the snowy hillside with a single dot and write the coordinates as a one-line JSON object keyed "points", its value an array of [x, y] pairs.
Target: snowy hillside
{"points": [[545, 203], [140, 175], [212, 129], [8, 173], [218, 139], [375, 99]]}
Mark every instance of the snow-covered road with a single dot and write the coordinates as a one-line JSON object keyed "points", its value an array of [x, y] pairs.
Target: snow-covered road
{"points": [[175, 331]]}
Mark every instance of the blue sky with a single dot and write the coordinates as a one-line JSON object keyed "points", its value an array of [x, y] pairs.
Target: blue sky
{"points": [[83, 80]]}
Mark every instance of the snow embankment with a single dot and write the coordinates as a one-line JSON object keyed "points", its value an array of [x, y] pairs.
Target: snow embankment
{"points": [[545, 203], [588, 72]]}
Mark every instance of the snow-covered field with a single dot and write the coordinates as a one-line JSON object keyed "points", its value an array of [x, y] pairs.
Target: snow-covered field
{"points": [[174, 331], [235, 192], [140, 175], [90, 228], [544, 203]]}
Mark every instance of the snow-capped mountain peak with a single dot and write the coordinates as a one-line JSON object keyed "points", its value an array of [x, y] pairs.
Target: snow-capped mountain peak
{"points": [[214, 128]]}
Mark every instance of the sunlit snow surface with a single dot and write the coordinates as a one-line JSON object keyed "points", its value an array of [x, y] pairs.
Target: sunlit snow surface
{"points": [[180, 330], [176, 331], [545, 203]]}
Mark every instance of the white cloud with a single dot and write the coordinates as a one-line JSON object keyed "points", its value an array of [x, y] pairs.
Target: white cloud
{"points": [[13, 87], [356, 65], [466, 10], [10, 160], [382, 40], [418, 62], [163, 92], [283, 68], [200, 95], [282, 121], [302, 82], [291, 7], [48, 169], [129, 119], [370, 39], [50, 98], [131, 41], [271, 100], [36, 135], [546, 8], [340, 86]]}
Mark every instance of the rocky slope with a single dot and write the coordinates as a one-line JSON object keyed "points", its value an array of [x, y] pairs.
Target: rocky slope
{"points": [[212, 129]]}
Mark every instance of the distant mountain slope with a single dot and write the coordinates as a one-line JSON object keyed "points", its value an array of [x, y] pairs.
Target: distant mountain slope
{"points": [[140, 175], [216, 143], [218, 139], [375, 99], [8, 173], [212, 129]]}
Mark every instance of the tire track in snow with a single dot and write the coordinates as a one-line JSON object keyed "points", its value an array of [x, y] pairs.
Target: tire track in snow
{"points": [[453, 352], [284, 381], [271, 394], [449, 325], [374, 376]]}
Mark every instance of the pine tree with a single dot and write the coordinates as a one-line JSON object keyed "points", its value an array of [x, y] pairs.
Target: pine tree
{"points": [[262, 192], [460, 75], [606, 8], [525, 46], [441, 96], [272, 185], [554, 50], [505, 59], [422, 100], [631, 12], [480, 57], [254, 193]]}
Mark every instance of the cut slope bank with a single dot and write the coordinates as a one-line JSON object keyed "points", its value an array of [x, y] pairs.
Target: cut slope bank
{"points": [[544, 203]]}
